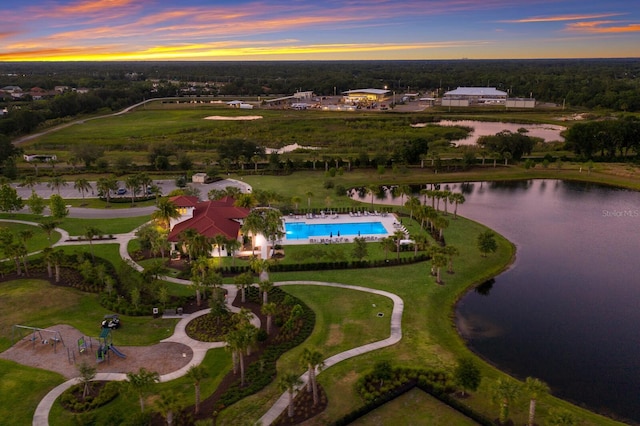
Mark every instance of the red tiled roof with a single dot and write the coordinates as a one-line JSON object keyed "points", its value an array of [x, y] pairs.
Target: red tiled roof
{"points": [[184, 200], [211, 218]]}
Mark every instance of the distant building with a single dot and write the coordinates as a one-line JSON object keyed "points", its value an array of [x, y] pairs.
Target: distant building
{"points": [[466, 96], [39, 157], [199, 178], [364, 96]]}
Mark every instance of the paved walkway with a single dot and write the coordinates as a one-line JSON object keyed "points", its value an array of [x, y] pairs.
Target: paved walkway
{"points": [[396, 334], [41, 415]]}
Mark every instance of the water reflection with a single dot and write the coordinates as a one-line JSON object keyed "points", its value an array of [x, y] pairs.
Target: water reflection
{"points": [[571, 300], [567, 310], [547, 132]]}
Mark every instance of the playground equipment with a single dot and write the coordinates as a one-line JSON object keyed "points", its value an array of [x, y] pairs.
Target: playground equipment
{"points": [[105, 346], [36, 334]]}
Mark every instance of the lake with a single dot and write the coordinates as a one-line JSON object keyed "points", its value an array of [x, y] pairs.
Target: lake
{"points": [[548, 132], [568, 309]]}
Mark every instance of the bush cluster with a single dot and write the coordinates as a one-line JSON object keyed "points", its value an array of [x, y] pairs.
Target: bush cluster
{"points": [[262, 372], [71, 398], [380, 387]]}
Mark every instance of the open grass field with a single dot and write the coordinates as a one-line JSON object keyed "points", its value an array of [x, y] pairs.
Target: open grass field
{"points": [[22, 388], [414, 408], [77, 227]]}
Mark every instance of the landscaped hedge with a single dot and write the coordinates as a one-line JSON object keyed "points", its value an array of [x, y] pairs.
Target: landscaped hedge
{"points": [[435, 382], [262, 372], [107, 393], [320, 266]]}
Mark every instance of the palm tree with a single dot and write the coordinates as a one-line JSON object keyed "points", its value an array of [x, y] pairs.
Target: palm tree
{"points": [[535, 388], [167, 405], [219, 241], [47, 256], [441, 223], [457, 198], [248, 201], [105, 185], [55, 183], [29, 181], [265, 287], [309, 194], [242, 281], [145, 181], [48, 226], [403, 190], [445, 197], [504, 392], [289, 382], [167, 210], [313, 361], [398, 236], [388, 244], [255, 159], [57, 257], [83, 185], [133, 183], [197, 373], [238, 341], [413, 204], [25, 235], [87, 374], [421, 242], [252, 224], [90, 233], [438, 261], [296, 200], [141, 383], [269, 310], [233, 245], [199, 269], [450, 252], [373, 190]]}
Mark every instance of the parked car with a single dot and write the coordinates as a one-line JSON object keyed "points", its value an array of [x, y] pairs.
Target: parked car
{"points": [[121, 191]]}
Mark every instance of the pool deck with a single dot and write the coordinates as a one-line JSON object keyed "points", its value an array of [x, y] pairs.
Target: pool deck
{"points": [[390, 222]]}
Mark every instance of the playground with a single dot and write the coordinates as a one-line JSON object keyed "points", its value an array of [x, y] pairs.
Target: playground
{"points": [[165, 357]]}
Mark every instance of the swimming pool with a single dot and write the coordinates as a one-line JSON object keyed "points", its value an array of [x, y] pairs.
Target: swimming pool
{"points": [[303, 230]]}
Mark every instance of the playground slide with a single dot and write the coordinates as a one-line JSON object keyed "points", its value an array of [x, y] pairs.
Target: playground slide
{"points": [[117, 352]]}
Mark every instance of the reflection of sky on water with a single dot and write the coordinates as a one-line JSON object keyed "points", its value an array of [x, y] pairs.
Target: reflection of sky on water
{"points": [[548, 132], [572, 299]]}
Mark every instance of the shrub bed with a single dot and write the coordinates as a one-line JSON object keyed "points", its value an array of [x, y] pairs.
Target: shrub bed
{"points": [[105, 392]]}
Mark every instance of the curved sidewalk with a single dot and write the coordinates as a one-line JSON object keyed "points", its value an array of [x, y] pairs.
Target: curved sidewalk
{"points": [[394, 337]]}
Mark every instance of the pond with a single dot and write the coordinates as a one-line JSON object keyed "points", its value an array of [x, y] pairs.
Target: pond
{"points": [[548, 132], [567, 311]]}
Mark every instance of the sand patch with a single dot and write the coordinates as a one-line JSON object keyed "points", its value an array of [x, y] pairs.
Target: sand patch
{"points": [[238, 118]]}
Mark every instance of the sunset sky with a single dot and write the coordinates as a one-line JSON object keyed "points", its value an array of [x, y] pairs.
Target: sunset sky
{"points": [[125, 30]]}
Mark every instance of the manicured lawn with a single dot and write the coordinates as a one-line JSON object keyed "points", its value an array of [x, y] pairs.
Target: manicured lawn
{"points": [[37, 242], [217, 363], [415, 407], [78, 226], [22, 388], [22, 302]]}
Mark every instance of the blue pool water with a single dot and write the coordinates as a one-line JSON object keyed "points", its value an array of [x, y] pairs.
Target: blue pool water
{"points": [[302, 230]]}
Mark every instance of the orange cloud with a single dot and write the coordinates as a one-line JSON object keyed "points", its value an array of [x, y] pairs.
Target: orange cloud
{"points": [[561, 18], [603, 27]]}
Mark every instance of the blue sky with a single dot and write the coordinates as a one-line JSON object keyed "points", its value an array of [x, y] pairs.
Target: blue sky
{"points": [[100, 30]]}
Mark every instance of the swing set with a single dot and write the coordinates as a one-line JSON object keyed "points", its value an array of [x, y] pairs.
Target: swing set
{"points": [[43, 335]]}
